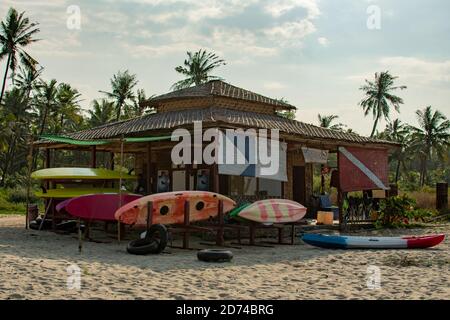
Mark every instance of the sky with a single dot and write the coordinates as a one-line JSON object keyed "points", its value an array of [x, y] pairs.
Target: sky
{"points": [[314, 53]]}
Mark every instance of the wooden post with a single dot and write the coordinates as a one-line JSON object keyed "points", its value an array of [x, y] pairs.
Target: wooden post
{"points": [[219, 239], [111, 155], [339, 195], [94, 157], [80, 241], [30, 168], [216, 178], [442, 196], [149, 168], [186, 224], [393, 190]]}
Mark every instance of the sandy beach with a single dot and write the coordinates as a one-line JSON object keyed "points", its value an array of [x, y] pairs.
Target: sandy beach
{"points": [[34, 266]]}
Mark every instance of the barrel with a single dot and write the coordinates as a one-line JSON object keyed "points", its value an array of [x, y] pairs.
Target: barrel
{"points": [[442, 196]]}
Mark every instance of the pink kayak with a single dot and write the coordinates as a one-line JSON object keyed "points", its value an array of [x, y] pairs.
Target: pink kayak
{"points": [[96, 206]]}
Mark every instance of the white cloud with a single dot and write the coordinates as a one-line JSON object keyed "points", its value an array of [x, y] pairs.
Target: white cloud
{"points": [[278, 8], [418, 70], [274, 85], [410, 70], [323, 41], [291, 33]]}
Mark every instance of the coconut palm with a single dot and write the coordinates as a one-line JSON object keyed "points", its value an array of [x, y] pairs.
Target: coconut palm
{"points": [[16, 33], [122, 85], [327, 122], [16, 117], [399, 132], [102, 112], [431, 138], [68, 108], [45, 102], [378, 97], [197, 68], [140, 105], [26, 78]]}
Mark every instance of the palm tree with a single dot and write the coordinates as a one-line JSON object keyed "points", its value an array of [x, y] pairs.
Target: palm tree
{"points": [[102, 112], [327, 122], [68, 108], [399, 132], [45, 102], [197, 68], [431, 138], [15, 34], [122, 85], [26, 78], [379, 98], [15, 112], [140, 105]]}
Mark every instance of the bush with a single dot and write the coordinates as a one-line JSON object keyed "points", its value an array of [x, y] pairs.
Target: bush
{"points": [[395, 211], [20, 196], [399, 211]]}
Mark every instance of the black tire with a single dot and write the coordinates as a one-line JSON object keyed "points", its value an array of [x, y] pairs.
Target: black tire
{"points": [[68, 226], [215, 255], [142, 247], [155, 241], [35, 224]]}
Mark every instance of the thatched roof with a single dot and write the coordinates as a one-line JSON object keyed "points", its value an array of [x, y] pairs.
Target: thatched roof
{"points": [[218, 116], [218, 88]]}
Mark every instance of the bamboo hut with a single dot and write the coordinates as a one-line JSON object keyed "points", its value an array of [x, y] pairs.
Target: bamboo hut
{"points": [[220, 105]]}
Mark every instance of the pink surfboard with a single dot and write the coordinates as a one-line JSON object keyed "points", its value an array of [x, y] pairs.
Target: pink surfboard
{"points": [[99, 207]]}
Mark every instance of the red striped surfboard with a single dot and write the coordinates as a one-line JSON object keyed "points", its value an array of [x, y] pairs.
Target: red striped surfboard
{"points": [[274, 211]]}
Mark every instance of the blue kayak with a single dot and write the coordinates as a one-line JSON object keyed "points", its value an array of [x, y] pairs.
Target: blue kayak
{"points": [[352, 242]]}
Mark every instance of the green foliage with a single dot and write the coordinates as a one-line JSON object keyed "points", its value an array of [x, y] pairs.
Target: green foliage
{"points": [[400, 211], [7, 207], [378, 97], [197, 69], [395, 211]]}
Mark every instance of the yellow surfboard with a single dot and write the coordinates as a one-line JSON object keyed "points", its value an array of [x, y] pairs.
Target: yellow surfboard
{"points": [[79, 174]]}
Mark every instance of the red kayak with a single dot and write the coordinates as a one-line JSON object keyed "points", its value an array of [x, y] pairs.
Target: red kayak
{"points": [[100, 207]]}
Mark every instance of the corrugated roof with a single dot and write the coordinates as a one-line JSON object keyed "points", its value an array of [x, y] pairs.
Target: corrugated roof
{"points": [[220, 89], [173, 119]]}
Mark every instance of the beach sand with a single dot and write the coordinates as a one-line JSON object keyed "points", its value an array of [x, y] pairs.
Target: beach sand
{"points": [[33, 265]]}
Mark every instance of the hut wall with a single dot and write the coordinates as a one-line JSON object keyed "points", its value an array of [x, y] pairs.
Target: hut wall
{"points": [[220, 102]]}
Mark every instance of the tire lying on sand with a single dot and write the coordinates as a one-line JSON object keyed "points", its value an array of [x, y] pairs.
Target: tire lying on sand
{"points": [[154, 242], [214, 255], [35, 224]]}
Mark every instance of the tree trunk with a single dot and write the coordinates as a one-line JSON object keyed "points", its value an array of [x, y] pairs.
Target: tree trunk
{"points": [[397, 171], [5, 77], [374, 127]]}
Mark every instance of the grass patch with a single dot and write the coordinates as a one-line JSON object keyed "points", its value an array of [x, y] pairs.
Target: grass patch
{"points": [[13, 202]]}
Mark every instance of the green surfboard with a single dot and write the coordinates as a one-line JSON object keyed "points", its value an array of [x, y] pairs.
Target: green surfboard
{"points": [[79, 174]]}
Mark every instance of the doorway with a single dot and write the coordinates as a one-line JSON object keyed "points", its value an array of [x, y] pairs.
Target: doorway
{"points": [[298, 184]]}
